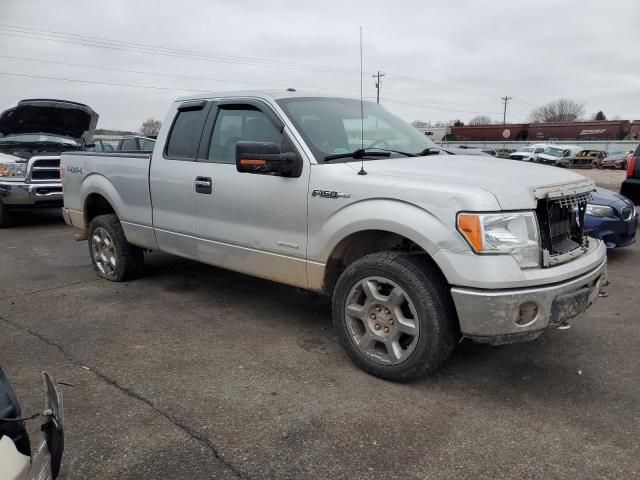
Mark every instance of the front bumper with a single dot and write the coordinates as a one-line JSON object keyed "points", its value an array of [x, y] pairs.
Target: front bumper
{"points": [[503, 316], [31, 194]]}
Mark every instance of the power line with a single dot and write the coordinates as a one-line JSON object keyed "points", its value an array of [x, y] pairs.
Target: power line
{"points": [[142, 72], [387, 99], [204, 78], [164, 51], [100, 42], [152, 87]]}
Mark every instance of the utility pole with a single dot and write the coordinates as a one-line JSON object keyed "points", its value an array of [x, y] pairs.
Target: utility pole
{"points": [[377, 76], [505, 99]]}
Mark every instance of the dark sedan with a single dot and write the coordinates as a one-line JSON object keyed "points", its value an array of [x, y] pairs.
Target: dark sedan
{"points": [[614, 160], [612, 218]]}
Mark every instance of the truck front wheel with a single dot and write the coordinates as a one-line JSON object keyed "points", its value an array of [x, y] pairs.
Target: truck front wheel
{"points": [[394, 316], [112, 256]]}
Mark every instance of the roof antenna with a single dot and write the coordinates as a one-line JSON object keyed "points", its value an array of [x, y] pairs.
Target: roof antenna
{"points": [[362, 170]]}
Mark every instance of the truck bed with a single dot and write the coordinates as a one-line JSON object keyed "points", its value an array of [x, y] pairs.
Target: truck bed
{"points": [[123, 178]]}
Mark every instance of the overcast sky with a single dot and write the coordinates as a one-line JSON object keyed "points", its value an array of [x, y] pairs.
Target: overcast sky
{"points": [[443, 60]]}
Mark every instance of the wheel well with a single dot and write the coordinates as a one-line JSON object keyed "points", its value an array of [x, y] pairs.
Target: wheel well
{"points": [[96, 205], [359, 244]]}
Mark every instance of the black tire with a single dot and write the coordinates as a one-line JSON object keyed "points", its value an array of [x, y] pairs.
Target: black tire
{"points": [[438, 330], [129, 259], [5, 216]]}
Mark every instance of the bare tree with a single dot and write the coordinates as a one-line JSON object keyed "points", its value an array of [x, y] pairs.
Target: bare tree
{"points": [[480, 120], [150, 127], [420, 124], [561, 110]]}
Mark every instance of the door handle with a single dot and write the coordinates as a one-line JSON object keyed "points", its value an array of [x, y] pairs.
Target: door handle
{"points": [[203, 185]]}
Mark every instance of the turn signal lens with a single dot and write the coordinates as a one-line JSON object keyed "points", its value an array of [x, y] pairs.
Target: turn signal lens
{"points": [[471, 228], [251, 161]]}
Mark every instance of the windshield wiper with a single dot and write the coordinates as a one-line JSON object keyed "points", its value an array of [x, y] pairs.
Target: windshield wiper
{"points": [[430, 151], [358, 154], [370, 152]]}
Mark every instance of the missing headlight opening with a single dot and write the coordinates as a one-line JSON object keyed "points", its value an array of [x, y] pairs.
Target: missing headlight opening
{"points": [[562, 228]]}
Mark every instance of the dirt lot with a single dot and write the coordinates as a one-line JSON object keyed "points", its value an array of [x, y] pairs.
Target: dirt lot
{"points": [[194, 372]]}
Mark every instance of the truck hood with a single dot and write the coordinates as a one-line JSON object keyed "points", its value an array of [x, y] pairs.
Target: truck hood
{"points": [[515, 185], [56, 117], [5, 158]]}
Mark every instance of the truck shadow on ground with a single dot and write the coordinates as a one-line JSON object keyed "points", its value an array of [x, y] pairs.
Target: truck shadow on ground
{"points": [[510, 365], [34, 218]]}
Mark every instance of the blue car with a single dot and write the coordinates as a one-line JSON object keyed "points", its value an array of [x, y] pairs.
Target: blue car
{"points": [[612, 218]]}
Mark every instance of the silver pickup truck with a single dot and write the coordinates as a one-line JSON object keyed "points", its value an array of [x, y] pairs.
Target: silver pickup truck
{"points": [[417, 248], [32, 135]]}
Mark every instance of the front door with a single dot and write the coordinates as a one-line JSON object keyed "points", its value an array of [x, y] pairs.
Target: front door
{"points": [[251, 223]]}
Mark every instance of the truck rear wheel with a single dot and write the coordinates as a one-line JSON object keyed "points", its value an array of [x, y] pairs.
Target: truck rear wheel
{"points": [[113, 257], [394, 316], [5, 216]]}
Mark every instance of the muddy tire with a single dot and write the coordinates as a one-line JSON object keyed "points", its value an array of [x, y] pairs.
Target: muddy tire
{"points": [[394, 316], [5, 216], [113, 257]]}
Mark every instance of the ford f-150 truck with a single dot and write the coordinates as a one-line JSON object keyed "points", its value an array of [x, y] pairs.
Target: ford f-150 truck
{"points": [[32, 135], [416, 248]]}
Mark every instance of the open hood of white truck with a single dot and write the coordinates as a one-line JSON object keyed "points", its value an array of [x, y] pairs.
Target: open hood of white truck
{"points": [[516, 185], [48, 116]]}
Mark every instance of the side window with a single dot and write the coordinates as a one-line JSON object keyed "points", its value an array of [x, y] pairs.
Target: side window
{"points": [[182, 143], [129, 144], [241, 123], [146, 144]]}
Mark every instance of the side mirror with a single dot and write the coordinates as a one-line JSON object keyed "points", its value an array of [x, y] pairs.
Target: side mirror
{"points": [[265, 158]]}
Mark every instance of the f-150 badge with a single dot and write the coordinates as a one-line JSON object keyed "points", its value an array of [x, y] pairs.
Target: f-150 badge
{"points": [[329, 194]]}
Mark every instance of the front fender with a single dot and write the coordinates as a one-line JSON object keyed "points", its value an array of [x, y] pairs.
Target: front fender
{"points": [[408, 220]]}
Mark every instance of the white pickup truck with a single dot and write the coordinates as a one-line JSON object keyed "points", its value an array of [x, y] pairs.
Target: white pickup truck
{"points": [[416, 248], [32, 135]]}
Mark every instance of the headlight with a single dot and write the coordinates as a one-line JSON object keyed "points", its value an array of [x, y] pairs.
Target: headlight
{"points": [[13, 169], [599, 210], [514, 234]]}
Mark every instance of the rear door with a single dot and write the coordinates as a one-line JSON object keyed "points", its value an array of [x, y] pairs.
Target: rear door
{"points": [[251, 223], [171, 180]]}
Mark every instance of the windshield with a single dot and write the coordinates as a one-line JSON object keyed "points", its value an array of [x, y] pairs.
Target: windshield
{"points": [[555, 152], [527, 149], [38, 137], [616, 154], [332, 126]]}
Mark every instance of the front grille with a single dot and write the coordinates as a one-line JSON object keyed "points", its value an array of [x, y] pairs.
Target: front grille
{"points": [[573, 201], [627, 213], [516, 157], [45, 169], [561, 223]]}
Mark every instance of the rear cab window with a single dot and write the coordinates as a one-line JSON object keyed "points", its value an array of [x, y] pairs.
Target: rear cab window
{"points": [[186, 130]]}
